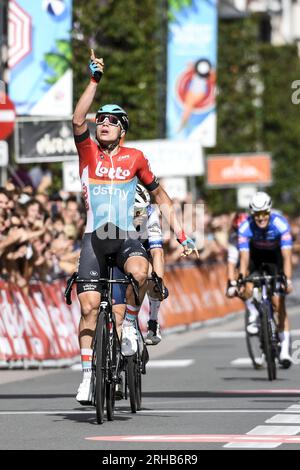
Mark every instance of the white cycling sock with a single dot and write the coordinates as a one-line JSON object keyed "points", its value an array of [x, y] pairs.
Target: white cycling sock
{"points": [[130, 315], [86, 362], [284, 337], [154, 308], [252, 309]]}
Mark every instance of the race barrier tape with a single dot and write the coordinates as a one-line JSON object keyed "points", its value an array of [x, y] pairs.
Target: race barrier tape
{"points": [[40, 330]]}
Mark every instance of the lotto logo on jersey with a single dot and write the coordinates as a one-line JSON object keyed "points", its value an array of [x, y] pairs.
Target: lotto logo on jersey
{"points": [[111, 173]]}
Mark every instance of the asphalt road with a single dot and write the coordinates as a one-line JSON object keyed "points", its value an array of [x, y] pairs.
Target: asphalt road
{"points": [[199, 393]]}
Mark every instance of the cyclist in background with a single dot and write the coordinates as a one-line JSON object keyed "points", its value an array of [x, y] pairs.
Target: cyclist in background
{"points": [[147, 224], [109, 174], [265, 238]]}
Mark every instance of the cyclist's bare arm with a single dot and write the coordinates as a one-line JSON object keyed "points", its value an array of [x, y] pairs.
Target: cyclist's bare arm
{"points": [[85, 101], [287, 267], [166, 207], [231, 271], [244, 262], [158, 262]]}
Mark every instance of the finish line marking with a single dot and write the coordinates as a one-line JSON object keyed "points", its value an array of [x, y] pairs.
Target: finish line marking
{"points": [[154, 412], [232, 438], [158, 364]]}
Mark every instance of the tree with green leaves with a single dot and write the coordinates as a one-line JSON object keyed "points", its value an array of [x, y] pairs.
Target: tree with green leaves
{"points": [[125, 33]]}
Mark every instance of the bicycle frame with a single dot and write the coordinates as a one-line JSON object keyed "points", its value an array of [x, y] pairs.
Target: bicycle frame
{"points": [[268, 329]]}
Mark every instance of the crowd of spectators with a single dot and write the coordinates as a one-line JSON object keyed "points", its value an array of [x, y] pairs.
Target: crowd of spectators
{"points": [[40, 232]]}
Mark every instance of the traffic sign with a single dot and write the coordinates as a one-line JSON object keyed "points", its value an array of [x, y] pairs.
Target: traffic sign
{"points": [[7, 117]]}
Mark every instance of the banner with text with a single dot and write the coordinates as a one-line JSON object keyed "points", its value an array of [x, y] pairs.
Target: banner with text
{"points": [[191, 74], [39, 57]]}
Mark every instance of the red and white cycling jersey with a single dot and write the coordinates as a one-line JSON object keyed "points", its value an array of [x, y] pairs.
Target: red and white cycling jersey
{"points": [[109, 183]]}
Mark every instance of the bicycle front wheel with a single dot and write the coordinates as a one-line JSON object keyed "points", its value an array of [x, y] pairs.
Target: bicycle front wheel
{"points": [[131, 381], [99, 358], [111, 357], [267, 343], [253, 345]]}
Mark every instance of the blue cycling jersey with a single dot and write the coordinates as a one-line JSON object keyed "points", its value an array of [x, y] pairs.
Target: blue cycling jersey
{"points": [[276, 235]]}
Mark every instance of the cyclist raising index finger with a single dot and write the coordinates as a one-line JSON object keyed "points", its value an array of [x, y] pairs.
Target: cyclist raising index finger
{"points": [[109, 174]]}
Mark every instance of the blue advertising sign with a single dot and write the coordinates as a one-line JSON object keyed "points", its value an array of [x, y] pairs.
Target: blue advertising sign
{"points": [[192, 61], [40, 56]]}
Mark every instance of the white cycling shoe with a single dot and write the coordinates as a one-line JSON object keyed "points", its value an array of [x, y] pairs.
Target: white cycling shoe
{"points": [[252, 328], [285, 359], [85, 392], [129, 340]]}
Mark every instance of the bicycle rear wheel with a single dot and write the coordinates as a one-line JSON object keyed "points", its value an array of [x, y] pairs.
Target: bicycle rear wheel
{"points": [[99, 367], [267, 342], [253, 344], [131, 381], [138, 385]]}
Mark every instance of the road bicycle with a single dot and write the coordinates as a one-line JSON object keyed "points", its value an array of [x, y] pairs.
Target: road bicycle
{"points": [[106, 358], [265, 345], [107, 361]]}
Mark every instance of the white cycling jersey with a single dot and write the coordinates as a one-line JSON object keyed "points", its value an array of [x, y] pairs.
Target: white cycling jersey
{"points": [[154, 228]]}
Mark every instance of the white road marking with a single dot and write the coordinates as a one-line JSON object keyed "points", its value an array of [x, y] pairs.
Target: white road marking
{"points": [[284, 418], [143, 412], [275, 430], [252, 445], [162, 364], [226, 334], [237, 334], [157, 364]]}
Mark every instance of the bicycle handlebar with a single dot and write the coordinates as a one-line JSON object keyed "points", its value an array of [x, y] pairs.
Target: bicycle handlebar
{"points": [[129, 279], [262, 277]]}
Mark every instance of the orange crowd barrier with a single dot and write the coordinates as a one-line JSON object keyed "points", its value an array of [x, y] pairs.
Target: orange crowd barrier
{"points": [[39, 329], [197, 293]]}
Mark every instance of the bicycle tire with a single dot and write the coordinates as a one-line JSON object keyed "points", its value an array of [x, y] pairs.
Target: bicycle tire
{"points": [[253, 344], [111, 355], [99, 366], [267, 342], [142, 359], [138, 390], [131, 382]]}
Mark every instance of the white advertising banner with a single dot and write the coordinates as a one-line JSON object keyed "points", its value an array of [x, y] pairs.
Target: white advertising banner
{"points": [[172, 158]]}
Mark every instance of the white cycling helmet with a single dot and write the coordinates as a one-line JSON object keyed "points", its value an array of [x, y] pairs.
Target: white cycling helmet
{"points": [[142, 197], [260, 202]]}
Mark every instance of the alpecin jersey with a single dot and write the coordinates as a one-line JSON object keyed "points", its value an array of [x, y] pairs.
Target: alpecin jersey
{"points": [[109, 183], [276, 236]]}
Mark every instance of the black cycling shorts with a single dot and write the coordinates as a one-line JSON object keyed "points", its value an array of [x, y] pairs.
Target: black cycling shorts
{"points": [[93, 263], [269, 261], [270, 257]]}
